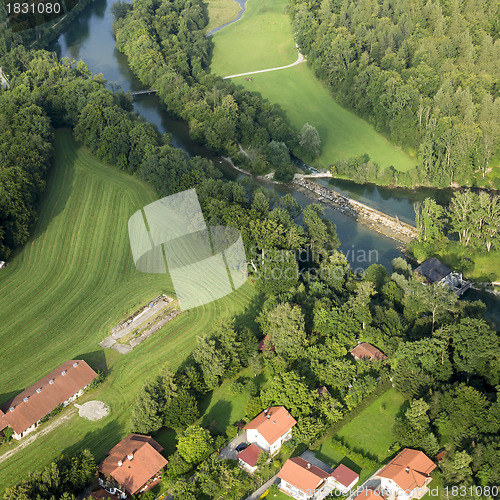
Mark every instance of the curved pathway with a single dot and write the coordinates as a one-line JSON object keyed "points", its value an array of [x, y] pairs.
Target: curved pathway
{"points": [[299, 60]]}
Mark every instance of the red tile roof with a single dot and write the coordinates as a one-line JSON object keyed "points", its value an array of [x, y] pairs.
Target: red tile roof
{"points": [[344, 475], [45, 395], [367, 351], [409, 469], [250, 455], [369, 494], [145, 463], [276, 423], [301, 474]]}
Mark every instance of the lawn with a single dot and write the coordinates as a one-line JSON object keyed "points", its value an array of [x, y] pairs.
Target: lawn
{"points": [[261, 39], [70, 284], [371, 431], [343, 134], [221, 12]]}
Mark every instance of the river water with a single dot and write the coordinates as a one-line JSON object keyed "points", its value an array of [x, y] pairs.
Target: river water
{"points": [[90, 38]]}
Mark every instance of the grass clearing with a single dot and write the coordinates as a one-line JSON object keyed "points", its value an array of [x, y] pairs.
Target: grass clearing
{"points": [[261, 39], [371, 431], [221, 12], [69, 285]]}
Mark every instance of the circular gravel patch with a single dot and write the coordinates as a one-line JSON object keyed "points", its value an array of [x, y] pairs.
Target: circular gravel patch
{"points": [[93, 410]]}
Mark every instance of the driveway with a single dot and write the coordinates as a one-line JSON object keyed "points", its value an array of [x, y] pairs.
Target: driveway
{"points": [[229, 451], [310, 457]]}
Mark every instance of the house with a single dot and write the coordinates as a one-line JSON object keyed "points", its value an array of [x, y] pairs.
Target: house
{"points": [[434, 271], [369, 494], [249, 457], [407, 475], [132, 467], [270, 429], [344, 478], [300, 479], [60, 387], [365, 350]]}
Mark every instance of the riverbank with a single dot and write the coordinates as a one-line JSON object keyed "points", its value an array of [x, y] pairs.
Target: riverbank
{"points": [[375, 220]]}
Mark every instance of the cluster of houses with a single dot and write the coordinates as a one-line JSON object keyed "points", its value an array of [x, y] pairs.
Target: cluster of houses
{"points": [[405, 477]]}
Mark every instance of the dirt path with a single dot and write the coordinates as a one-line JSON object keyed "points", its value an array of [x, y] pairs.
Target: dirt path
{"points": [[25, 442], [299, 60]]}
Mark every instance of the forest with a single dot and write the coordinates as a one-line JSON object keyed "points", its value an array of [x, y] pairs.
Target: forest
{"points": [[425, 73]]}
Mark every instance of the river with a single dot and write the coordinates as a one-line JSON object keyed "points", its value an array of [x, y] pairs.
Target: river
{"points": [[90, 38]]}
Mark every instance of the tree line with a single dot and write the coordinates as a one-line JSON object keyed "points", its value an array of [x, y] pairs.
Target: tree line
{"points": [[473, 217], [425, 73]]}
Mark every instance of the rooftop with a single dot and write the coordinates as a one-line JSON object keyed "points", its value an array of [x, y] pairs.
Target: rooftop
{"points": [[301, 474], [433, 269], [250, 455], [42, 397], [365, 350], [272, 423], [133, 461], [344, 475], [409, 469]]}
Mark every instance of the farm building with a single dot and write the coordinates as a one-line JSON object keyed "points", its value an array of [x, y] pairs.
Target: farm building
{"points": [[271, 428], [60, 387], [132, 467], [434, 271]]}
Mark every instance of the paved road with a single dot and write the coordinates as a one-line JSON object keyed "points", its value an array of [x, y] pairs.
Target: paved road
{"points": [[299, 60]]}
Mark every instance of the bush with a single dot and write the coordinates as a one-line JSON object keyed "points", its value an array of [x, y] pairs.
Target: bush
{"points": [[236, 387]]}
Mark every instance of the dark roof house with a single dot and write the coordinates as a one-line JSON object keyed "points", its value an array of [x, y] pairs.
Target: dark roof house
{"points": [[433, 270]]}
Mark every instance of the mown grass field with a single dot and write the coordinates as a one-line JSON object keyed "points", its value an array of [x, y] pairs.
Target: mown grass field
{"points": [[261, 39], [69, 285], [221, 12], [371, 431]]}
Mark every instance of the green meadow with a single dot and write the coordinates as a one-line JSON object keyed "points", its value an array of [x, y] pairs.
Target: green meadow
{"points": [[68, 286], [263, 39], [221, 12]]}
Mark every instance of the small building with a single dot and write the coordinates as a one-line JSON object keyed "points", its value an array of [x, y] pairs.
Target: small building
{"points": [[102, 494], [322, 391], [300, 479], [434, 271], [132, 467], [248, 458], [407, 475], [369, 494], [2, 264], [344, 478], [365, 350], [60, 387], [270, 429]]}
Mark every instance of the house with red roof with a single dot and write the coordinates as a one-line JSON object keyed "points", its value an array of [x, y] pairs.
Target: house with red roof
{"points": [[132, 467], [60, 387], [270, 429], [300, 479], [344, 478], [407, 475], [248, 458], [365, 350], [369, 494]]}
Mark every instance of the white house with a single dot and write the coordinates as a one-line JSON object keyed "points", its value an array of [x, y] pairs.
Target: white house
{"points": [[407, 475], [344, 478], [60, 387], [270, 429], [300, 479]]}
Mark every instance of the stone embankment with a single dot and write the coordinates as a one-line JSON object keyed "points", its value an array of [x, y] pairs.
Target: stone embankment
{"points": [[376, 220]]}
